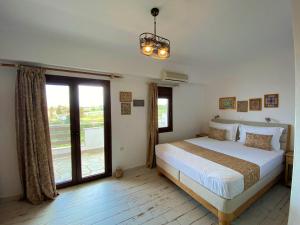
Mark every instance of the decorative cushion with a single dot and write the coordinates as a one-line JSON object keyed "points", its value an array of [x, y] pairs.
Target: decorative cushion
{"points": [[218, 134], [275, 131], [231, 129], [259, 141]]}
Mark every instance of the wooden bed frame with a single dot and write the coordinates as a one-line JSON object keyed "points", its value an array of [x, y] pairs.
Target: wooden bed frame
{"points": [[226, 218]]}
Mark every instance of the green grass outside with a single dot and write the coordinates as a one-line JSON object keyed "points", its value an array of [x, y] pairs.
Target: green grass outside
{"points": [[59, 121]]}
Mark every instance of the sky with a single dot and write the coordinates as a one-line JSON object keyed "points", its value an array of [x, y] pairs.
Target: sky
{"points": [[162, 101], [89, 96]]}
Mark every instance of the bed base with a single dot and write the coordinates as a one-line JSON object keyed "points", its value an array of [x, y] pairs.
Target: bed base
{"points": [[224, 218]]}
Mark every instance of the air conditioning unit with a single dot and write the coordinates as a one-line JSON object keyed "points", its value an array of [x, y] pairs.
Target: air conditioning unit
{"points": [[174, 77]]}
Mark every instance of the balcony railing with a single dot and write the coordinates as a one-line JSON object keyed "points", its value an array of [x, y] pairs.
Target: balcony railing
{"points": [[91, 136], [92, 151]]}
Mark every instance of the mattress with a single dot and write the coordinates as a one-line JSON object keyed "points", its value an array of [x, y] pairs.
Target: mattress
{"points": [[220, 203], [221, 180]]}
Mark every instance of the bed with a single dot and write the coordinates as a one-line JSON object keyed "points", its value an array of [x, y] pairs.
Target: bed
{"points": [[223, 190]]}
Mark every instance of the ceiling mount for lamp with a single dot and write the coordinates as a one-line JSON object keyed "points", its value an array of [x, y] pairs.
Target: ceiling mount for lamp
{"points": [[152, 44]]}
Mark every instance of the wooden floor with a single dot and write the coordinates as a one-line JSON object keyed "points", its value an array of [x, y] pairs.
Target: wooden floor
{"points": [[140, 197]]}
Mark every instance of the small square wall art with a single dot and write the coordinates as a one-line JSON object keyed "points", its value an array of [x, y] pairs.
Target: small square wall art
{"points": [[125, 96], [242, 106], [271, 101], [125, 108], [227, 103], [255, 104]]}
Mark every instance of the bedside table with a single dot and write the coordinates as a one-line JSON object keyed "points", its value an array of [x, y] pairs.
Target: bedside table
{"points": [[201, 135], [289, 158]]}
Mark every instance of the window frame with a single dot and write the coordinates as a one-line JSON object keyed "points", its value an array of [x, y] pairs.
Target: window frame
{"points": [[166, 92]]}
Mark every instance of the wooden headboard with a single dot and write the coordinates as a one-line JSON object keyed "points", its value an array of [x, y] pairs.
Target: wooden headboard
{"points": [[284, 139]]}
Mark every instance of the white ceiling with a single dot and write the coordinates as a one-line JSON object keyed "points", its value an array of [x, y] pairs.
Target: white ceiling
{"points": [[202, 32]]}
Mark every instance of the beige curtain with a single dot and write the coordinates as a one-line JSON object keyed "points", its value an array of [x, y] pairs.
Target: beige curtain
{"points": [[33, 138], [152, 125]]}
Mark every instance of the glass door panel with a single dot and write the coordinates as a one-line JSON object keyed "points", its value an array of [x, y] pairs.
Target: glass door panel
{"points": [[91, 113], [58, 101]]}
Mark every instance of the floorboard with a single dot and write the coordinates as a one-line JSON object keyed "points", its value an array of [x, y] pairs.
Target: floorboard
{"points": [[140, 197]]}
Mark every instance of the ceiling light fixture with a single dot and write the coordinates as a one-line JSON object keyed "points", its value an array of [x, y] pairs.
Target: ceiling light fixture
{"points": [[153, 45]]}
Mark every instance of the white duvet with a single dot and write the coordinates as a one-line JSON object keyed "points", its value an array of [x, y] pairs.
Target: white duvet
{"points": [[219, 179]]}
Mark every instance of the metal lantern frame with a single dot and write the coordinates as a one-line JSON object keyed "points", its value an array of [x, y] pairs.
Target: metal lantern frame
{"points": [[156, 42]]}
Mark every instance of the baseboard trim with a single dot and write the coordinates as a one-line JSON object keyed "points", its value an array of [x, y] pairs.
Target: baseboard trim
{"points": [[10, 198]]}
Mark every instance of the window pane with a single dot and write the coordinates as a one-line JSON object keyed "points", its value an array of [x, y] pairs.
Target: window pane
{"points": [[60, 136], [163, 112], [91, 130]]}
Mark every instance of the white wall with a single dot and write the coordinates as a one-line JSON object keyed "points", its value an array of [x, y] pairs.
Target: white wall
{"points": [[129, 132], [273, 74], [9, 173], [294, 216], [188, 112]]}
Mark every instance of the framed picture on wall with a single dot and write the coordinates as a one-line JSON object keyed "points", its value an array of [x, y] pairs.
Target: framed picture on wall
{"points": [[125, 108], [255, 104], [271, 101], [242, 106], [125, 96], [227, 103]]}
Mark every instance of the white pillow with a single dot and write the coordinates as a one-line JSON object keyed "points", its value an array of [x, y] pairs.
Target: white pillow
{"points": [[231, 129], [275, 131]]}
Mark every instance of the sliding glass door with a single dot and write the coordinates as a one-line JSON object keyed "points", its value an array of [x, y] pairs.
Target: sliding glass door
{"points": [[80, 128]]}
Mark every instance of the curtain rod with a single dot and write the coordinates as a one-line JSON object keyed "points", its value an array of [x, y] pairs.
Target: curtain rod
{"points": [[67, 70]]}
